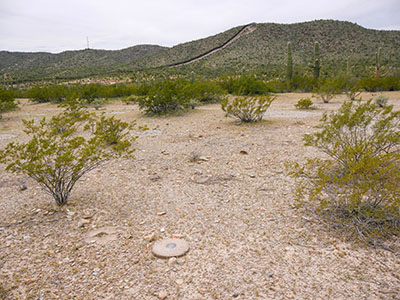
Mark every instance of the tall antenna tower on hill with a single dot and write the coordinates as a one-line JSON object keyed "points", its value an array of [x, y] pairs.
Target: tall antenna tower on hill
{"points": [[87, 41]]}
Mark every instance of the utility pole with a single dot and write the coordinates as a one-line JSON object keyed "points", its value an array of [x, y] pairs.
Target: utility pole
{"points": [[87, 41]]}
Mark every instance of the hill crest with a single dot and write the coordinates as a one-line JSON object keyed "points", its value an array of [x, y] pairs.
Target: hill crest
{"points": [[262, 48]]}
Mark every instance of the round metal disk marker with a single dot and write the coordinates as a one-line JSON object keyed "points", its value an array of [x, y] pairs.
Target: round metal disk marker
{"points": [[170, 248]]}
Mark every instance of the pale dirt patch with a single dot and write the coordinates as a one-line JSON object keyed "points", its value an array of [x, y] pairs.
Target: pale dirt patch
{"points": [[235, 208]]}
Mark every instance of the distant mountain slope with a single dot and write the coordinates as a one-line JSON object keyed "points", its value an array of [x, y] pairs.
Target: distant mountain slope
{"points": [[79, 63], [186, 51], [261, 47], [265, 47]]}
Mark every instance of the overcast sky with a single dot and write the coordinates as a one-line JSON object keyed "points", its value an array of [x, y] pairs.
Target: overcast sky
{"points": [[59, 25]]}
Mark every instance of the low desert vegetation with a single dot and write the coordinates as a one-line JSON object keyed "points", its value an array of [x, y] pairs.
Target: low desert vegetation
{"points": [[357, 185], [247, 109], [381, 100], [304, 103], [63, 149], [87, 93], [6, 100], [353, 93], [166, 97], [327, 91], [245, 85]]}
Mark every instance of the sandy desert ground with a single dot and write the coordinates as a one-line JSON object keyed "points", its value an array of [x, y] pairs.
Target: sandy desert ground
{"points": [[234, 206]]}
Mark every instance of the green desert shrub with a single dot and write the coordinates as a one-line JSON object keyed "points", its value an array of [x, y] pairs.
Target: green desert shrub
{"points": [[328, 90], [350, 86], [48, 93], [89, 92], [304, 103], [165, 97], [358, 182], [247, 109], [303, 83], [353, 93], [277, 85], [82, 92], [244, 85], [388, 83], [6, 100], [67, 146], [98, 103], [142, 89], [204, 91], [381, 100]]}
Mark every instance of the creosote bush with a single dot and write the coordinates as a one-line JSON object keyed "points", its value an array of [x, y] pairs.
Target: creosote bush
{"points": [[164, 97], [381, 100], [304, 103], [327, 91], [353, 93], [247, 109], [6, 100], [61, 150], [244, 85], [359, 182]]}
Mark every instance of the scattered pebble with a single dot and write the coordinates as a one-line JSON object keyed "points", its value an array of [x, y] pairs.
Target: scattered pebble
{"points": [[155, 177], [162, 295], [150, 238], [83, 222], [172, 261]]}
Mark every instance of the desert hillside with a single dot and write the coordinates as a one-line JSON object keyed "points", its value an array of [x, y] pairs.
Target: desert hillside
{"points": [[262, 48]]}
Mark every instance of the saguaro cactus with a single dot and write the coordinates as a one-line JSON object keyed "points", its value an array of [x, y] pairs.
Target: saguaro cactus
{"points": [[378, 62], [317, 66], [289, 70]]}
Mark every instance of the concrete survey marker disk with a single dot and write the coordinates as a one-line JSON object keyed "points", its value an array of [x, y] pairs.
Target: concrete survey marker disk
{"points": [[167, 248]]}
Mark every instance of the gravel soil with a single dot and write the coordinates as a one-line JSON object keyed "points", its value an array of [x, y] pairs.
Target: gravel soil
{"points": [[199, 176]]}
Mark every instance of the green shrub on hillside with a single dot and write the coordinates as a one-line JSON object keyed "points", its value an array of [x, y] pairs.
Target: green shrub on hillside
{"points": [[359, 182], [247, 109]]}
